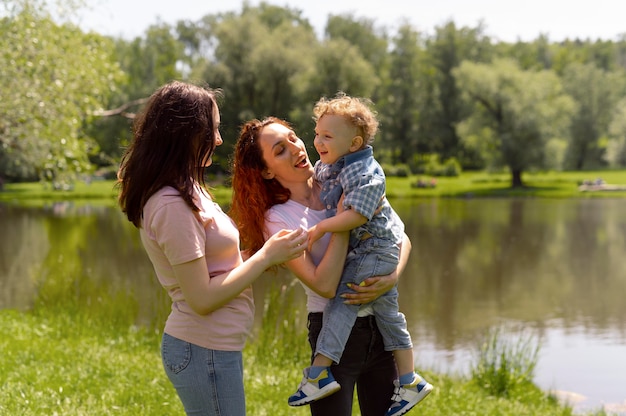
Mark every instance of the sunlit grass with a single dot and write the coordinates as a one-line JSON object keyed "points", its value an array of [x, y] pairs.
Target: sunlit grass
{"points": [[467, 185], [73, 358], [485, 184], [100, 191]]}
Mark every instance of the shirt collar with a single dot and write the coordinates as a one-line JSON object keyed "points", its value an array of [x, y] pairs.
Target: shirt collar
{"points": [[364, 153]]}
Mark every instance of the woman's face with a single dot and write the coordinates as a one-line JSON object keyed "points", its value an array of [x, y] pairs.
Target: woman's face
{"points": [[208, 160], [285, 155]]}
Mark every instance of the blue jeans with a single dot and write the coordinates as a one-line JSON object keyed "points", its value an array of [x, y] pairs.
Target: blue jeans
{"points": [[370, 258], [208, 382], [368, 367]]}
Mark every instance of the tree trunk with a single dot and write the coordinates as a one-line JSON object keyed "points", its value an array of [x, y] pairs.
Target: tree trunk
{"points": [[516, 178]]}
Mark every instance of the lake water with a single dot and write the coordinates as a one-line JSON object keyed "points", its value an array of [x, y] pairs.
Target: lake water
{"points": [[554, 269]]}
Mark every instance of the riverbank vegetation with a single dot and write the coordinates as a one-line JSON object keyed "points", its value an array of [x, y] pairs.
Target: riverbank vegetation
{"points": [[465, 185], [57, 361]]}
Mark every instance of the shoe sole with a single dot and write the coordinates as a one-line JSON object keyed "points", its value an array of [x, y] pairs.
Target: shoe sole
{"points": [[420, 396], [324, 392]]}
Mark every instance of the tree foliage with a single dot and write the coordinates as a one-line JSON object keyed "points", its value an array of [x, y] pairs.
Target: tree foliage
{"points": [[517, 113], [455, 95], [53, 77]]}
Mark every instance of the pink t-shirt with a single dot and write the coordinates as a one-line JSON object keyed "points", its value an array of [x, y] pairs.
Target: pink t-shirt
{"points": [[173, 234]]}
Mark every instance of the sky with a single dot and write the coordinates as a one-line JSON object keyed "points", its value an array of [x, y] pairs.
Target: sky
{"points": [[504, 20]]}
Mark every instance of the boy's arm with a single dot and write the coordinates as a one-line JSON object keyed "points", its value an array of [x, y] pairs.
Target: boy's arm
{"points": [[343, 221]]}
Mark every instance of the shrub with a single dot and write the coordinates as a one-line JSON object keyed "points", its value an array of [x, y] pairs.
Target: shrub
{"points": [[400, 170]]}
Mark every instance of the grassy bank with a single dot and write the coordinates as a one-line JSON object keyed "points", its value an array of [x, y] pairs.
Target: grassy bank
{"points": [[468, 184], [61, 364]]}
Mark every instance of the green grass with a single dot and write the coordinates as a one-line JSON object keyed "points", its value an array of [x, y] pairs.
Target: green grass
{"points": [[102, 192], [56, 363], [468, 184], [483, 184]]}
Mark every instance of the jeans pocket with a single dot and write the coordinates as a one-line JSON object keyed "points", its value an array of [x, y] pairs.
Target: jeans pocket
{"points": [[385, 264], [176, 353]]}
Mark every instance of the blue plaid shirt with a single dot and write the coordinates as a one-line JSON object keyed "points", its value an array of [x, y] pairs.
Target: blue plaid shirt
{"points": [[359, 176]]}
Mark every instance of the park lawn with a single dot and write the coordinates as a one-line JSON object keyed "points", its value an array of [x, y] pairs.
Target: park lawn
{"points": [[466, 185], [60, 364]]}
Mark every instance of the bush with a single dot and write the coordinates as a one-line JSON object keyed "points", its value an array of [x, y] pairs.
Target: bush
{"points": [[430, 165], [400, 170]]}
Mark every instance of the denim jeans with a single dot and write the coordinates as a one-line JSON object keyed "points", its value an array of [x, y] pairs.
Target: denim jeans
{"points": [[208, 382], [368, 259], [366, 364]]}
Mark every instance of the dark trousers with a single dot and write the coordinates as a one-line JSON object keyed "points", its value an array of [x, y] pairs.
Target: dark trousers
{"points": [[364, 363]]}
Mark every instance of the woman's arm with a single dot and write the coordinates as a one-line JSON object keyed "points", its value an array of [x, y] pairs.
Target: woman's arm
{"points": [[205, 295], [373, 287], [323, 278]]}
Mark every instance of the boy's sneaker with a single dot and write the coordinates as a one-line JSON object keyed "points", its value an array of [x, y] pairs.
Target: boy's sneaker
{"points": [[314, 389], [408, 395]]}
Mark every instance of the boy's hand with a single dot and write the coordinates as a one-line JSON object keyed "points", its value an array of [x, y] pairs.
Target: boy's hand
{"points": [[315, 233]]}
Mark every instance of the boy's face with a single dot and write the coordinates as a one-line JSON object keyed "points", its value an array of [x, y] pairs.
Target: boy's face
{"points": [[335, 137]]}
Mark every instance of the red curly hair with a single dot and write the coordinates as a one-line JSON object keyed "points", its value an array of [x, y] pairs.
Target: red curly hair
{"points": [[253, 195]]}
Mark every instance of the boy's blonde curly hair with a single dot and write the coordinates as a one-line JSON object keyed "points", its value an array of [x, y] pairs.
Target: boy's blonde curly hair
{"points": [[357, 111]]}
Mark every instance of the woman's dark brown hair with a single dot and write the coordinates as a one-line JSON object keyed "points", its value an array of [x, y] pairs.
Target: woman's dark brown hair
{"points": [[173, 137], [252, 194]]}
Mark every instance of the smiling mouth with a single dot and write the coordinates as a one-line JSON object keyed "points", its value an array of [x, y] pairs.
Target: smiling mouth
{"points": [[302, 163]]}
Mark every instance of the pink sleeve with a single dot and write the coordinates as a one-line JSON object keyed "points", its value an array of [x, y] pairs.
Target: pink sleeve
{"points": [[168, 223]]}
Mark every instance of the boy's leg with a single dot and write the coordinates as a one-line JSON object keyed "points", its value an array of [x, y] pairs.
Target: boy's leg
{"points": [[339, 317]]}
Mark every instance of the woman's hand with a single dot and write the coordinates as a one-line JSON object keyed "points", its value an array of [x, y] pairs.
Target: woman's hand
{"points": [[285, 245], [371, 289]]}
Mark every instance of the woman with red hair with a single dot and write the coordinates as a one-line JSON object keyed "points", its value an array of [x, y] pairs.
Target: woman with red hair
{"points": [[274, 187]]}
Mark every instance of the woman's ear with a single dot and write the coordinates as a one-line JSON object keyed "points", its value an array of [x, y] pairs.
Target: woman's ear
{"points": [[357, 143], [267, 174]]}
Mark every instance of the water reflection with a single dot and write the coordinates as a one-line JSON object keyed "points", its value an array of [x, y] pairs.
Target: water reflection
{"points": [[552, 266]]}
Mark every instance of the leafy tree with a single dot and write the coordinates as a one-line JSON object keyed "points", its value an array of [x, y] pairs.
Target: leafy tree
{"points": [[596, 91], [148, 62], [616, 149], [446, 50], [361, 33], [537, 55], [53, 77], [402, 95], [255, 57], [517, 113]]}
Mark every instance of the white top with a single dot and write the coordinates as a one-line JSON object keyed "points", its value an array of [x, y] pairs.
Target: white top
{"points": [[292, 215]]}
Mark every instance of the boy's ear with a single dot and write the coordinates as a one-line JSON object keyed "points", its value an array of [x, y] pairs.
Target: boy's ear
{"points": [[357, 143], [267, 174]]}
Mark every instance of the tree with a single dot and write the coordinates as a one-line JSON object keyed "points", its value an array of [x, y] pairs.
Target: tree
{"points": [[445, 51], [616, 149], [52, 77], [148, 62], [517, 113], [596, 92], [256, 59], [402, 96]]}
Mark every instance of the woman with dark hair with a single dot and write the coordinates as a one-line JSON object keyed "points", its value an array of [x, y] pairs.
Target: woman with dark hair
{"points": [[194, 247], [273, 188]]}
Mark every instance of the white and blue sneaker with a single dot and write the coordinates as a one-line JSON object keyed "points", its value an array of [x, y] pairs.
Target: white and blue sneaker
{"points": [[406, 396], [312, 389]]}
